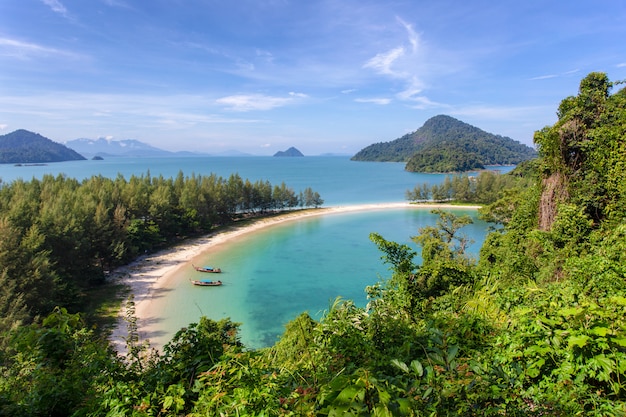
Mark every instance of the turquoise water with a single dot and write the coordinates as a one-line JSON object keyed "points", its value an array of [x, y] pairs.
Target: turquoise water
{"points": [[275, 274], [338, 180]]}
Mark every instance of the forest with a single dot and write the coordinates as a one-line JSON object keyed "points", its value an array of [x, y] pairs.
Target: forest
{"points": [[534, 327], [24, 147], [60, 237], [485, 187], [445, 144]]}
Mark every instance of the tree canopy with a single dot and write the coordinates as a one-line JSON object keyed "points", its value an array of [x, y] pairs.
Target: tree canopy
{"points": [[534, 327], [445, 144]]}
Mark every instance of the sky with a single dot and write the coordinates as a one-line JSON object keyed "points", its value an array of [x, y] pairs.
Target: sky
{"points": [[325, 76]]}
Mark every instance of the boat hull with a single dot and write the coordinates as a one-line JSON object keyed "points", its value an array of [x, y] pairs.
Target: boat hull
{"points": [[205, 283], [207, 269]]}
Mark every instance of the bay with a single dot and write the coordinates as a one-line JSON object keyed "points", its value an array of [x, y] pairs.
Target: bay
{"points": [[275, 274]]}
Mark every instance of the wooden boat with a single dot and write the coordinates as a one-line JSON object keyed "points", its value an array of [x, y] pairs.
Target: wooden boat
{"points": [[207, 269], [206, 282]]}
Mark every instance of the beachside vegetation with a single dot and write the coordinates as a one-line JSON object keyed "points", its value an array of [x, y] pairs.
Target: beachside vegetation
{"points": [[61, 236], [484, 187], [534, 327]]}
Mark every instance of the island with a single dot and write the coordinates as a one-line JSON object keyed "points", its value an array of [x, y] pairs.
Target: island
{"points": [[24, 147], [291, 152], [445, 144]]}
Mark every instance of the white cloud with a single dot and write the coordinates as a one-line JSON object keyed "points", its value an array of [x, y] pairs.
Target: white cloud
{"points": [[548, 76], [381, 101], [25, 50], [404, 63], [348, 91], [3, 126], [621, 65], [543, 77], [422, 102], [413, 36], [251, 102], [382, 62], [56, 6]]}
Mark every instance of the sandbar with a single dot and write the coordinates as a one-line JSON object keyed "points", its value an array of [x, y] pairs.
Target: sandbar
{"points": [[147, 273]]}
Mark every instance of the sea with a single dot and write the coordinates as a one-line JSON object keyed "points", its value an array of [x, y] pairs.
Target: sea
{"points": [[277, 273]]}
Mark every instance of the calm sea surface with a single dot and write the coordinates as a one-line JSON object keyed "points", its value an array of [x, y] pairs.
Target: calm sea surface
{"points": [[275, 274]]}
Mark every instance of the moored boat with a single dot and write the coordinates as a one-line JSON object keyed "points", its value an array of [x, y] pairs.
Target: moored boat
{"points": [[206, 282], [206, 269]]}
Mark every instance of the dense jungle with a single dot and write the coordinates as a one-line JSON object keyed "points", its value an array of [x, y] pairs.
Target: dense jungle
{"points": [[534, 327]]}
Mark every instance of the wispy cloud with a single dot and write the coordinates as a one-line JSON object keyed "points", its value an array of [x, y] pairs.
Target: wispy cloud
{"points": [[413, 36], [170, 111], [381, 101], [251, 102], [116, 3], [56, 6], [404, 63], [549, 76], [24, 50], [383, 62], [621, 65]]}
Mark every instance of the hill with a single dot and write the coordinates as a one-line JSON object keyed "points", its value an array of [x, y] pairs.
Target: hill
{"points": [[445, 144], [107, 147], [23, 146], [289, 152]]}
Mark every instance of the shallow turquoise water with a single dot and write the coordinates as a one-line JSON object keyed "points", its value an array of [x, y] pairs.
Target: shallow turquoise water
{"points": [[274, 274]]}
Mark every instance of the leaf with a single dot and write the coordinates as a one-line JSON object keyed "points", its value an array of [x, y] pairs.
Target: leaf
{"points": [[452, 352], [534, 369], [348, 394], [599, 331], [618, 300], [579, 341], [621, 341], [400, 365], [572, 311], [417, 367]]}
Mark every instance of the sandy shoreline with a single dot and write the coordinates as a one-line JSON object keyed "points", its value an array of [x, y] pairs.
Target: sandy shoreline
{"points": [[147, 273]]}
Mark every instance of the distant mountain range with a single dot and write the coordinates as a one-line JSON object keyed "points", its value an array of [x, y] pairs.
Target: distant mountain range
{"points": [[131, 148], [114, 148], [445, 144], [24, 147]]}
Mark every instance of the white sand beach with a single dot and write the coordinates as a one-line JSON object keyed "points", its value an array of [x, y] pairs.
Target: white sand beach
{"points": [[145, 275]]}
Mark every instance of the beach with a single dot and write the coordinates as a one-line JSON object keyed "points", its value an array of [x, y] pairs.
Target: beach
{"points": [[147, 274]]}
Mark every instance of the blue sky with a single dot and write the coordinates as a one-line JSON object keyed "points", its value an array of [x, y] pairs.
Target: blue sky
{"points": [[325, 76]]}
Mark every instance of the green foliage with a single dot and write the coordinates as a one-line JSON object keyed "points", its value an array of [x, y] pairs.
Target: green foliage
{"points": [[27, 147], [537, 327], [445, 157], [62, 236], [52, 368], [487, 187], [444, 144]]}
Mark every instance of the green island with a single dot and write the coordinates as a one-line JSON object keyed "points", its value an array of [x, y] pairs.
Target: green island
{"points": [[445, 144], [534, 327]]}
